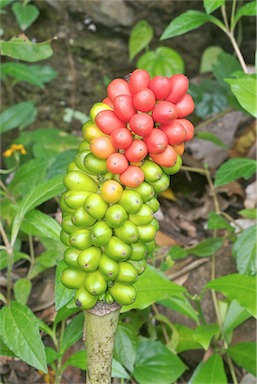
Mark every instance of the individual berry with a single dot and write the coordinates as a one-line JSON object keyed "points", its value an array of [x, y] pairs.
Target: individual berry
{"points": [[118, 87], [165, 159], [139, 79], [121, 138], [132, 177], [164, 112], [142, 124], [144, 100], [102, 147], [185, 106], [160, 86], [117, 163], [108, 121], [188, 127], [137, 151], [179, 86], [157, 141], [175, 132], [123, 107]]}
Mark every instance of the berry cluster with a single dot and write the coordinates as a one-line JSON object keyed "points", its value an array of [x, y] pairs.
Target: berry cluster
{"points": [[133, 141]]}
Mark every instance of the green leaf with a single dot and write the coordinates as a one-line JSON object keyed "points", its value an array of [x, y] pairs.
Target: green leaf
{"points": [[204, 334], [155, 364], [234, 169], [216, 221], [4, 350], [61, 293], [211, 137], [249, 213], [249, 9], [225, 65], [237, 287], [4, 3], [59, 163], [19, 116], [209, 58], [46, 260], [126, 345], [20, 333], [235, 316], [22, 288], [184, 23], [212, 5], [181, 305], [32, 74], [25, 14], [140, 37], [16, 257], [211, 372], [176, 252], [245, 92], [40, 224], [244, 251], [73, 332], [118, 370], [51, 355], [35, 197], [64, 313], [21, 48], [207, 247], [244, 355], [186, 340], [164, 61], [151, 287]]}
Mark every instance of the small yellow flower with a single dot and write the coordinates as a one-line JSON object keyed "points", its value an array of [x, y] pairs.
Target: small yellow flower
{"points": [[15, 148]]}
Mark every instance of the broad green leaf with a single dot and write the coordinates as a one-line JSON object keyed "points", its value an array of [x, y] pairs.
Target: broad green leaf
{"points": [[125, 347], [118, 370], [41, 224], [235, 316], [245, 93], [211, 137], [184, 23], [35, 197], [237, 287], [19, 116], [151, 287], [212, 5], [216, 221], [225, 65], [17, 255], [244, 355], [51, 355], [20, 333], [22, 288], [59, 163], [32, 74], [155, 364], [249, 213], [164, 61], [248, 9], [211, 372], [244, 251], [204, 334], [25, 14], [73, 332], [206, 247], [21, 48], [209, 57], [4, 3], [61, 293], [140, 36], [234, 169], [181, 305], [4, 350], [176, 252], [186, 340], [64, 313], [44, 261]]}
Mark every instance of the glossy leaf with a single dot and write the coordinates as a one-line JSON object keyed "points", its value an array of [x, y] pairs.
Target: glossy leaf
{"points": [[140, 37], [211, 372], [61, 293], [25, 14], [209, 57], [164, 61], [151, 287], [41, 224], [184, 23], [207, 247], [237, 287], [21, 48], [234, 169], [244, 355], [22, 288], [181, 305], [209, 136], [248, 9], [186, 340], [155, 364], [204, 334], [216, 221], [32, 74], [20, 333], [19, 116], [244, 251], [126, 345], [73, 332], [235, 316], [245, 92], [212, 5]]}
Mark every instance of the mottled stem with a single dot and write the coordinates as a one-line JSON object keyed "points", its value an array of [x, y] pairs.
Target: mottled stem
{"points": [[100, 327]]}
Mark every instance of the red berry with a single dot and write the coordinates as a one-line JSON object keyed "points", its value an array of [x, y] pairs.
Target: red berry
{"points": [[175, 132], [179, 86], [165, 159], [118, 87], [108, 121], [185, 106], [164, 112], [121, 138], [123, 107], [160, 86], [157, 141], [188, 127], [132, 177], [108, 101], [137, 151], [139, 79], [142, 124], [117, 163], [144, 100]]}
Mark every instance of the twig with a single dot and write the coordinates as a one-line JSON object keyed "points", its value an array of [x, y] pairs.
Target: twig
{"points": [[188, 268]]}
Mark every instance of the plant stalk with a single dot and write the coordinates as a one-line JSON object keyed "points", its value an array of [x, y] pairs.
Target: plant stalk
{"points": [[100, 327]]}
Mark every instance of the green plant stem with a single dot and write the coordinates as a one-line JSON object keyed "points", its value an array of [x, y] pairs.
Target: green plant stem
{"points": [[165, 334], [213, 118], [58, 372], [32, 254], [200, 311], [9, 251], [100, 324]]}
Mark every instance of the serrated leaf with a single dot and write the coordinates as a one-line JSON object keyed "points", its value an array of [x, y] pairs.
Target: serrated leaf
{"points": [[140, 37], [22, 288], [32, 74], [234, 169], [237, 287], [245, 92], [19, 116], [154, 358], [209, 58], [25, 14], [244, 251], [244, 355], [204, 334], [61, 293], [21, 48], [249, 9], [211, 372], [184, 23], [212, 5], [19, 331], [216, 221], [151, 287], [207, 247], [235, 316], [38, 223], [125, 346], [73, 332], [164, 61], [211, 137]]}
